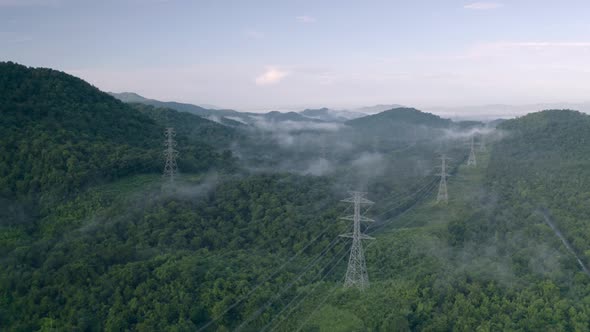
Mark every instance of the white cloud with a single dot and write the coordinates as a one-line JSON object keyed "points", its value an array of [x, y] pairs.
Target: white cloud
{"points": [[272, 75], [305, 19], [483, 5], [513, 71]]}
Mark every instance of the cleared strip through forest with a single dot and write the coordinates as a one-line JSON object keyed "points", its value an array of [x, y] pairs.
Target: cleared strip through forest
{"points": [[551, 224]]}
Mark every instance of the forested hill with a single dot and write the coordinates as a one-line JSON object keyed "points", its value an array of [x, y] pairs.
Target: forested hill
{"points": [[406, 126], [256, 247], [551, 131], [542, 163], [130, 97], [49, 99], [195, 128], [59, 133], [399, 117]]}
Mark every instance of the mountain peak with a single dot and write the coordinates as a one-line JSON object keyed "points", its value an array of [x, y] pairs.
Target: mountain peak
{"points": [[401, 115], [326, 114], [377, 108], [542, 119], [129, 97]]}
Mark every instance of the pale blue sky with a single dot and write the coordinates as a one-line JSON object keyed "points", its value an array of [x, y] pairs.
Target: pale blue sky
{"points": [[288, 54]]}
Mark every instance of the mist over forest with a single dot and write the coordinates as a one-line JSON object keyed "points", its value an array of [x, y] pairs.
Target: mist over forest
{"points": [[134, 216], [317, 166]]}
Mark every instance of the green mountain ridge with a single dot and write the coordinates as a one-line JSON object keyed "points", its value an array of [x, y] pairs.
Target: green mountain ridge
{"points": [[91, 239], [223, 116], [213, 114], [400, 116], [67, 134]]}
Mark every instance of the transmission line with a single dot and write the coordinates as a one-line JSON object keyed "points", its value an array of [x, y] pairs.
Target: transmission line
{"points": [[306, 268], [306, 295], [279, 269], [443, 194]]}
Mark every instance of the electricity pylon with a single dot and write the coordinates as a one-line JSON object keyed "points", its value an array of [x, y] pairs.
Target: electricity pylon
{"points": [[170, 168], [356, 273], [472, 161], [443, 195]]}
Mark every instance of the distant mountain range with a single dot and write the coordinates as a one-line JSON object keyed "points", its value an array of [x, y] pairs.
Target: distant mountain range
{"points": [[477, 112], [495, 111], [393, 119], [227, 117], [234, 118], [376, 108], [132, 97], [331, 115], [382, 116]]}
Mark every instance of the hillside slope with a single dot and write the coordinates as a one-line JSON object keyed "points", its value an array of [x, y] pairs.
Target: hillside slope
{"points": [[59, 134], [399, 117], [195, 128], [486, 261], [215, 114], [259, 249], [543, 163]]}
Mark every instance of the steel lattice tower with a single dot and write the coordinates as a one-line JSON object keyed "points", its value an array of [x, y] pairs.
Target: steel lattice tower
{"points": [[170, 167], [472, 161], [356, 273], [443, 195]]}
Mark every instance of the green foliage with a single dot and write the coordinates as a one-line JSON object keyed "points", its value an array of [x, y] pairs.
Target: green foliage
{"points": [[59, 134], [542, 164], [400, 116], [156, 260], [194, 128], [90, 240]]}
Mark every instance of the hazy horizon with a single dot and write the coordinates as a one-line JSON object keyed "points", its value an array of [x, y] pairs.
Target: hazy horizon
{"points": [[266, 55], [493, 111]]}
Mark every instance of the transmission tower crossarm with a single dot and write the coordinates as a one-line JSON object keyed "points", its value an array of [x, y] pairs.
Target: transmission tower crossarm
{"points": [[361, 200], [361, 236], [361, 218]]}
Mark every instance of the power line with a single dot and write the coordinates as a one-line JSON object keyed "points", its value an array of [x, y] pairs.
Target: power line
{"points": [[316, 308], [443, 195], [288, 286], [247, 295], [417, 197], [293, 308], [356, 273]]}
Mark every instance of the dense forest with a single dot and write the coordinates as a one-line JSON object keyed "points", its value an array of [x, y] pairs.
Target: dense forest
{"points": [[247, 238]]}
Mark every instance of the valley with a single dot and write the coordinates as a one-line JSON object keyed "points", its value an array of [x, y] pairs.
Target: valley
{"points": [[94, 238]]}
